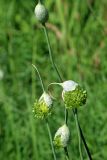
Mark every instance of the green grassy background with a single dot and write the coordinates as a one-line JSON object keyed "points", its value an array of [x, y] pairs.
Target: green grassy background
{"points": [[78, 35]]}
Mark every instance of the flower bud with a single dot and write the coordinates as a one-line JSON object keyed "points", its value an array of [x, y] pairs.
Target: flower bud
{"points": [[41, 13], [62, 137], [43, 107], [73, 95]]}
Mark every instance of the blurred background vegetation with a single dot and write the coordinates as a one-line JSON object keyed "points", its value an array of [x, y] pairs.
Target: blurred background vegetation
{"points": [[78, 34]]}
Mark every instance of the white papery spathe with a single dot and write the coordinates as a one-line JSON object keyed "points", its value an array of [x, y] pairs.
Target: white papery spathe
{"points": [[62, 136], [69, 85], [46, 98]]}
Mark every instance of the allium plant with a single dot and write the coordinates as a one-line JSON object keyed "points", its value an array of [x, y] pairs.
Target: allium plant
{"points": [[73, 96]]}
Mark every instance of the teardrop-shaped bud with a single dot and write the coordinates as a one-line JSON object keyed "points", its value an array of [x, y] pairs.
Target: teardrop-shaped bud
{"points": [[62, 137], [73, 95], [41, 13], [43, 107]]}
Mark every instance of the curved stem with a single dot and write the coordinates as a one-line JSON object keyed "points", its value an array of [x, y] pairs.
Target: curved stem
{"points": [[79, 135], [49, 90], [54, 83], [50, 137], [42, 84], [48, 128]]}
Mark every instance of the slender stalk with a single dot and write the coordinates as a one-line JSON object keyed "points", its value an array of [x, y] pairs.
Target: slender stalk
{"points": [[85, 144], [50, 137], [42, 84], [66, 153], [60, 78], [84, 141], [66, 115], [79, 134], [50, 53], [47, 124], [56, 69]]}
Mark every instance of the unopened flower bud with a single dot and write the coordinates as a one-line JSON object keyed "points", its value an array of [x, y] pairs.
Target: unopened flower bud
{"points": [[73, 95], [62, 137], [43, 107], [41, 13]]}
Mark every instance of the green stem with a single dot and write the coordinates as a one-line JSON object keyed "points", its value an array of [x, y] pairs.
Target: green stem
{"points": [[66, 153], [50, 53], [54, 66], [85, 144], [78, 131], [42, 84], [60, 78], [48, 128], [66, 115], [39, 1], [84, 141], [50, 137]]}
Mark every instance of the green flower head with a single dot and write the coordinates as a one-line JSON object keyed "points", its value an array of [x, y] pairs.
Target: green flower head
{"points": [[73, 95], [62, 137], [43, 107]]}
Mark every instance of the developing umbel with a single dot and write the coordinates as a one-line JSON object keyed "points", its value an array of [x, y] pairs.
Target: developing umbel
{"points": [[62, 137], [73, 95], [43, 107], [41, 13]]}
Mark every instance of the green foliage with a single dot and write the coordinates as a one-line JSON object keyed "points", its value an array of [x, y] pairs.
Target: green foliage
{"points": [[79, 42]]}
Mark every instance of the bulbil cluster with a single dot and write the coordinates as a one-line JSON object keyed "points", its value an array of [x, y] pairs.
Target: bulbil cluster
{"points": [[43, 107], [73, 95]]}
